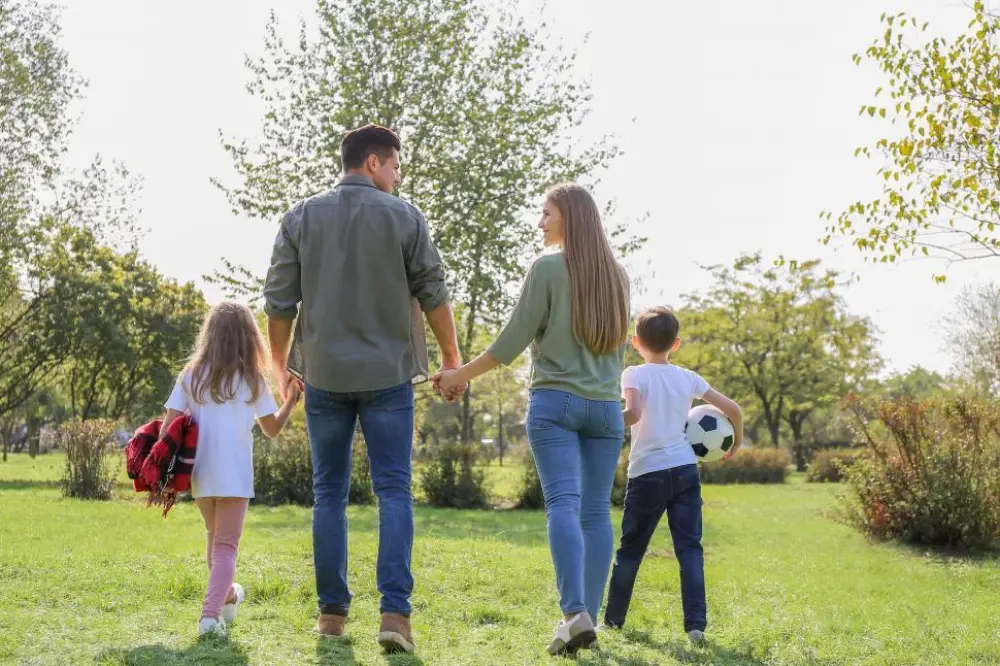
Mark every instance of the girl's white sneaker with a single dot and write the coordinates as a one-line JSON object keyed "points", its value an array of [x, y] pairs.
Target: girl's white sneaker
{"points": [[229, 610], [211, 625]]}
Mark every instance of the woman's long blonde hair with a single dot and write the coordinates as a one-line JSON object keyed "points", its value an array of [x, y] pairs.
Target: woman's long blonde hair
{"points": [[230, 345], [599, 285]]}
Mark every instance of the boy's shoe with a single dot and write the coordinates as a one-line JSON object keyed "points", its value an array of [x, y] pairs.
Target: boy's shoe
{"points": [[697, 637], [331, 624], [211, 626], [394, 634], [229, 610], [573, 635]]}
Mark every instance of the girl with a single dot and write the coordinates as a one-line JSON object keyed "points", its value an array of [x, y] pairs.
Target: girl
{"points": [[223, 386], [574, 311]]}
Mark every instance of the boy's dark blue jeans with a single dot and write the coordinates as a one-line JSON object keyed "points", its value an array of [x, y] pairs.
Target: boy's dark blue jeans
{"points": [[676, 492]]}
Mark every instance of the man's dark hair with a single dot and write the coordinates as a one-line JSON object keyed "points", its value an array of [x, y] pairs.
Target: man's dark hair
{"points": [[371, 139], [657, 329]]}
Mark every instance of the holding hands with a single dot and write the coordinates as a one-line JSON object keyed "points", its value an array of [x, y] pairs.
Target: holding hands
{"points": [[449, 383]]}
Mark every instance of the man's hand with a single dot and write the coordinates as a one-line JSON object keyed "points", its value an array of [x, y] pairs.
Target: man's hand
{"points": [[286, 380], [454, 390]]}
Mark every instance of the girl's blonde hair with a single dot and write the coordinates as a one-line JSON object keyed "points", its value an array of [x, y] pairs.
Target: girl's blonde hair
{"points": [[230, 346], [599, 285]]}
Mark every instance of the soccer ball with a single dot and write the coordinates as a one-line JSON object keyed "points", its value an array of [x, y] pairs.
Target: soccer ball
{"points": [[709, 431]]}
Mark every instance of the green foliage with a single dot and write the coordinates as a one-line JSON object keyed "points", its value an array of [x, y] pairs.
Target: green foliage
{"points": [[933, 478], [283, 470], [779, 340], [828, 466], [453, 477], [916, 383], [91, 460], [941, 193], [752, 465], [530, 495]]}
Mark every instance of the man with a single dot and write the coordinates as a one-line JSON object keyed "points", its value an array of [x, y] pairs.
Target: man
{"points": [[357, 259]]}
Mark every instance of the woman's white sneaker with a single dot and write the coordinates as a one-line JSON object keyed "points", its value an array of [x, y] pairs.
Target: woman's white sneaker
{"points": [[571, 636], [229, 610], [211, 625]]}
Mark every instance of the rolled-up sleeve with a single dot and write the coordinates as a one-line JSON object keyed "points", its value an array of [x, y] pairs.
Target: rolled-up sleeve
{"points": [[529, 316], [424, 272], [283, 285]]}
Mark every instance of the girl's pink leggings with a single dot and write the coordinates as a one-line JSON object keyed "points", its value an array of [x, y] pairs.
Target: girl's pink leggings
{"points": [[224, 524]]}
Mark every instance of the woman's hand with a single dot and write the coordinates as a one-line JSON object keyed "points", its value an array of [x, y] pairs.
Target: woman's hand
{"points": [[449, 384]]}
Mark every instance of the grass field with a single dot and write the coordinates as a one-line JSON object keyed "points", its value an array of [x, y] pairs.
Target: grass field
{"points": [[107, 583]]}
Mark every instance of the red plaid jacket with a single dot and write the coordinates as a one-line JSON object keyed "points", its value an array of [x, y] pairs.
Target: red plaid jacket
{"points": [[162, 467]]}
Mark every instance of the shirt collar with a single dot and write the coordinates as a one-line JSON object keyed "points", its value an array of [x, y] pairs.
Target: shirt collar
{"points": [[356, 180]]}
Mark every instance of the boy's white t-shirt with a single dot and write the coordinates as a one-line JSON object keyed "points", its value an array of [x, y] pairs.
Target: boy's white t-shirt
{"points": [[223, 462], [666, 392]]}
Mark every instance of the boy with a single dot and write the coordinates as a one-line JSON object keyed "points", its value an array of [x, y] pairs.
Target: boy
{"points": [[663, 469]]}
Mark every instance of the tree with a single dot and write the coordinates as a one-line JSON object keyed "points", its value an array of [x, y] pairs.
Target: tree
{"points": [[974, 336], [779, 340], [487, 110], [50, 222], [917, 383], [941, 193], [49, 285], [138, 328]]}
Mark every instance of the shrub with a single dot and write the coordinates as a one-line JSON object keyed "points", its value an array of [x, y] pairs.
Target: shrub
{"points": [[750, 465], [933, 473], [530, 496], [283, 470], [90, 458], [531, 486], [621, 479], [452, 477], [828, 466]]}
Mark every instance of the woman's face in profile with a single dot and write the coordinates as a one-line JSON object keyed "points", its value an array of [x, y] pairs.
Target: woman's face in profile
{"points": [[552, 225]]}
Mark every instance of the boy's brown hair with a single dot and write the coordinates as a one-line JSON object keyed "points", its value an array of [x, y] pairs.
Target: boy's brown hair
{"points": [[657, 328]]}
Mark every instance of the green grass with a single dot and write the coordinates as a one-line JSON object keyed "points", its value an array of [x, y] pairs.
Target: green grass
{"points": [[113, 583]]}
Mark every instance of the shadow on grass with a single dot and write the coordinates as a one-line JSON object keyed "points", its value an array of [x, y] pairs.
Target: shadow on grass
{"points": [[214, 651], [941, 554], [681, 650], [335, 652], [24, 484], [515, 527]]}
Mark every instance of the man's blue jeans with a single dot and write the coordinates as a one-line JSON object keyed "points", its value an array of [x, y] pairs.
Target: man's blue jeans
{"points": [[387, 423]]}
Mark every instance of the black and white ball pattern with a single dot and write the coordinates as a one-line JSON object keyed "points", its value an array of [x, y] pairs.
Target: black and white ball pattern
{"points": [[709, 431]]}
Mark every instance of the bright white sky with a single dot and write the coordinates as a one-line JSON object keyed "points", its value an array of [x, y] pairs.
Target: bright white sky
{"points": [[745, 124]]}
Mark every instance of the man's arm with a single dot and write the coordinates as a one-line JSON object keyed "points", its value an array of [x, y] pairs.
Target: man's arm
{"points": [[425, 276], [442, 323], [282, 295], [279, 334]]}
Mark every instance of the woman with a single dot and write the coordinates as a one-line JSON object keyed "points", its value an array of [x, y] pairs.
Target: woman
{"points": [[574, 311]]}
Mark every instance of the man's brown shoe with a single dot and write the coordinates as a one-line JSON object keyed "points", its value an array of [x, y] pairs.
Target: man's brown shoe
{"points": [[394, 634], [329, 624]]}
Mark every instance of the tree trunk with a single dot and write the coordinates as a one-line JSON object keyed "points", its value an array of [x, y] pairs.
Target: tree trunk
{"points": [[470, 330], [796, 421], [501, 445]]}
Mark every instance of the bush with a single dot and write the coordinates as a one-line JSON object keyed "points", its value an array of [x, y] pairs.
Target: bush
{"points": [[933, 473], [283, 470], [828, 466], [530, 496], [452, 478], [754, 465], [531, 486], [90, 458]]}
